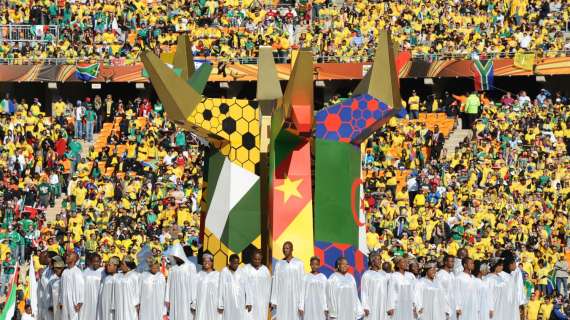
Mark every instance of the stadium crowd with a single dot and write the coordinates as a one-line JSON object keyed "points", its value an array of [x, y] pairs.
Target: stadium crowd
{"points": [[498, 204], [117, 31]]}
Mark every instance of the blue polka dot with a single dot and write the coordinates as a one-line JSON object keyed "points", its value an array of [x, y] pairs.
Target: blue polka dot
{"points": [[345, 130], [331, 136], [320, 131], [345, 114]]}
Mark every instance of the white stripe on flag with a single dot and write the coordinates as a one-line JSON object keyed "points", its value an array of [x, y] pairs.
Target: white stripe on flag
{"points": [[33, 288]]}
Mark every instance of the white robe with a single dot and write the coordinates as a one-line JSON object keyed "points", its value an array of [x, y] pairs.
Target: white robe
{"points": [[342, 297], [286, 286], [497, 294], [126, 296], [445, 280], [466, 292], [152, 288], [44, 297], [92, 280], [374, 294], [401, 295], [485, 299], [72, 292], [181, 291], [314, 296], [516, 292], [259, 281], [206, 303], [105, 306], [53, 297], [234, 294], [431, 300]]}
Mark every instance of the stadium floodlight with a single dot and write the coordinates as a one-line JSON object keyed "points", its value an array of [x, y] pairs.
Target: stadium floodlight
{"points": [[540, 79], [224, 85], [96, 86], [428, 81], [52, 85], [139, 85], [320, 84]]}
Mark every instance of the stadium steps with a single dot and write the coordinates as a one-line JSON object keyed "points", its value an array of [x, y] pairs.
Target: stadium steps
{"points": [[455, 139], [52, 212]]}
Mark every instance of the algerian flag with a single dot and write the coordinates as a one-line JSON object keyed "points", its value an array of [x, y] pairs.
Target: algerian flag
{"points": [[10, 305], [87, 72]]}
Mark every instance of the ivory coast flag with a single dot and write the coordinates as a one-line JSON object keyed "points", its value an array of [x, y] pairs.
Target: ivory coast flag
{"points": [[10, 305]]}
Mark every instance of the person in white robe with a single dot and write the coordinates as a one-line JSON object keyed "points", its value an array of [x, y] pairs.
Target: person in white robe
{"points": [[259, 280], [106, 305], [401, 291], [313, 303], [180, 285], [205, 306], [485, 296], [515, 283], [54, 310], [497, 291], [72, 289], [458, 265], [92, 276], [152, 288], [27, 315], [44, 300], [374, 290], [286, 285], [444, 279], [126, 294], [431, 301], [342, 295], [466, 293], [235, 295]]}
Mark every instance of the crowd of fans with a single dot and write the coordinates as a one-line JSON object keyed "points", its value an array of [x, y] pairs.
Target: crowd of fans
{"points": [[504, 188], [155, 181], [117, 31]]}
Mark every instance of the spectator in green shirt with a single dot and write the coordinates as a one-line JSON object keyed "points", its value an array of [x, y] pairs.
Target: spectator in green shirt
{"points": [[16, 244], [90, 118]]}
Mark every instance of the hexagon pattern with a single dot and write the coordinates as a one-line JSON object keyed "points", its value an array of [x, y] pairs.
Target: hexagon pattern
{"points": [[351, 119], [214, 246], [232, 126], [329, 252]]}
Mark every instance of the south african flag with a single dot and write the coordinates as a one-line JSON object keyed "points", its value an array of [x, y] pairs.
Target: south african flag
{"points": [[87, 72], [483, 74]]}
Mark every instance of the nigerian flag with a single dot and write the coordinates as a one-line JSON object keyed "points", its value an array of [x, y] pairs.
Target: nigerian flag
{"points": [[10, 305], [87, 72]]}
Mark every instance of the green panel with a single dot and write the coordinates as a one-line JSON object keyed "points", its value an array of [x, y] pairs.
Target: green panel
{"points": [[282, 142], [285, 143], [243, 225], [337, 166], [213, 169], [200, 77]]}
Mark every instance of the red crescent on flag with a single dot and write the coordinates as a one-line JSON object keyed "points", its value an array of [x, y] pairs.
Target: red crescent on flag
{"points": [[355, 185]]}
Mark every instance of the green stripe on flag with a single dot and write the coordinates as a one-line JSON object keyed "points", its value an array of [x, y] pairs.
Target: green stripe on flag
{"points": [[215, 164], [333, 192], [243, 224], [10, 305]]}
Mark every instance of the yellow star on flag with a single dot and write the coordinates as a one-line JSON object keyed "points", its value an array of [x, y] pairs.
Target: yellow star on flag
{"points": [[290, 188]]}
